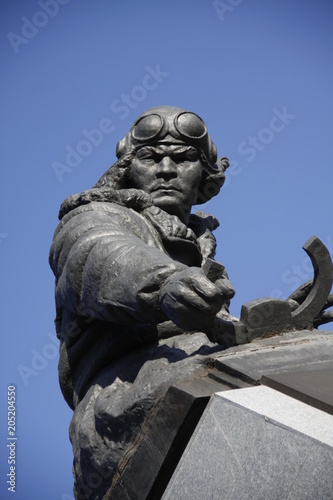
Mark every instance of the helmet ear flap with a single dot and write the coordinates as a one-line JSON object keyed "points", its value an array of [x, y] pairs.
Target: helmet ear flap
{"points": [[212, 152], [120, 147], [123, 146], [212, 179]]}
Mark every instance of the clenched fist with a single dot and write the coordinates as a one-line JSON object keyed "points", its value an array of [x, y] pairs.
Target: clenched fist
{"points": [[191, 300]]}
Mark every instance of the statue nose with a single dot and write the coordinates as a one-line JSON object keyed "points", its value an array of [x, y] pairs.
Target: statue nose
{"points": [[167, 165]]}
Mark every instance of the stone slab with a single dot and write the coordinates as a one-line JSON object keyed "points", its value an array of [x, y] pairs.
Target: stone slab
{"points": [[314, 387], [294, 351], [257, 443], [151, 463]]}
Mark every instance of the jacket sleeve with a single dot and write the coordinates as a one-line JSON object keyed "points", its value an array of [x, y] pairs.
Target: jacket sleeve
{"points": [[106, 259]]}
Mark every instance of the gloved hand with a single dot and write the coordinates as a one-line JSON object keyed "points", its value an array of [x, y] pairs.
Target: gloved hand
{"points": [[191, 300]]}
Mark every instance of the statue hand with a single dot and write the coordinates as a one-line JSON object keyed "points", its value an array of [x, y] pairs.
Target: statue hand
{"points": [[191, 300]]}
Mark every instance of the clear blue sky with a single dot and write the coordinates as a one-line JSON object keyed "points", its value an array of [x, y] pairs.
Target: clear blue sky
{"points": [[259, 73]]}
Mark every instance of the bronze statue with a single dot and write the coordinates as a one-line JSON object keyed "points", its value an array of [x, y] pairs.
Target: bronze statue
{"points": [[138, 293], [129, 258]]}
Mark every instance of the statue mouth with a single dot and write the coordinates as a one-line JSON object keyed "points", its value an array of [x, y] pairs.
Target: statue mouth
{"points": [[165, 187]]}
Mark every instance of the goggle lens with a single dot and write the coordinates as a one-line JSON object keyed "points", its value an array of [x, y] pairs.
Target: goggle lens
{"points": [[186, 124], [147, 127], [190, 125]]}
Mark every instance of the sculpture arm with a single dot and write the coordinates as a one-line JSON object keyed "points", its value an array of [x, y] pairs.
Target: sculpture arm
{"points": [[101, 265]]}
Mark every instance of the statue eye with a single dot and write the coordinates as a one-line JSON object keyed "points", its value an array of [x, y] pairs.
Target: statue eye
{"points": [[145, 154], [188, 155], [192, 155]]}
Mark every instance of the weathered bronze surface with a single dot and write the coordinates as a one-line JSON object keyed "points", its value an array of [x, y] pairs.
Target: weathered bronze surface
{"points": [[142, 306]]}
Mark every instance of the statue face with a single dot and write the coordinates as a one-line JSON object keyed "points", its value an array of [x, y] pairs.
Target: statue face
{"points": [[171, 174]]}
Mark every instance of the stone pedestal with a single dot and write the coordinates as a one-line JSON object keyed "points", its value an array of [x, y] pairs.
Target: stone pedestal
{"points": [[257, 443]]}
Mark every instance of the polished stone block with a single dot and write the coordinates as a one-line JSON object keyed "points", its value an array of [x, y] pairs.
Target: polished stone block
{"points": [[257, 443], [314, 387]]}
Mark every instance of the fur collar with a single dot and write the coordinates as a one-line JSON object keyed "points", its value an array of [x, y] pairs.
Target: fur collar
{"points": [[199, 229]]}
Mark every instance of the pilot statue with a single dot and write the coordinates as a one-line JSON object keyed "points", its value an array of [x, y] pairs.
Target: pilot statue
{"points": [[135, 292]]}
